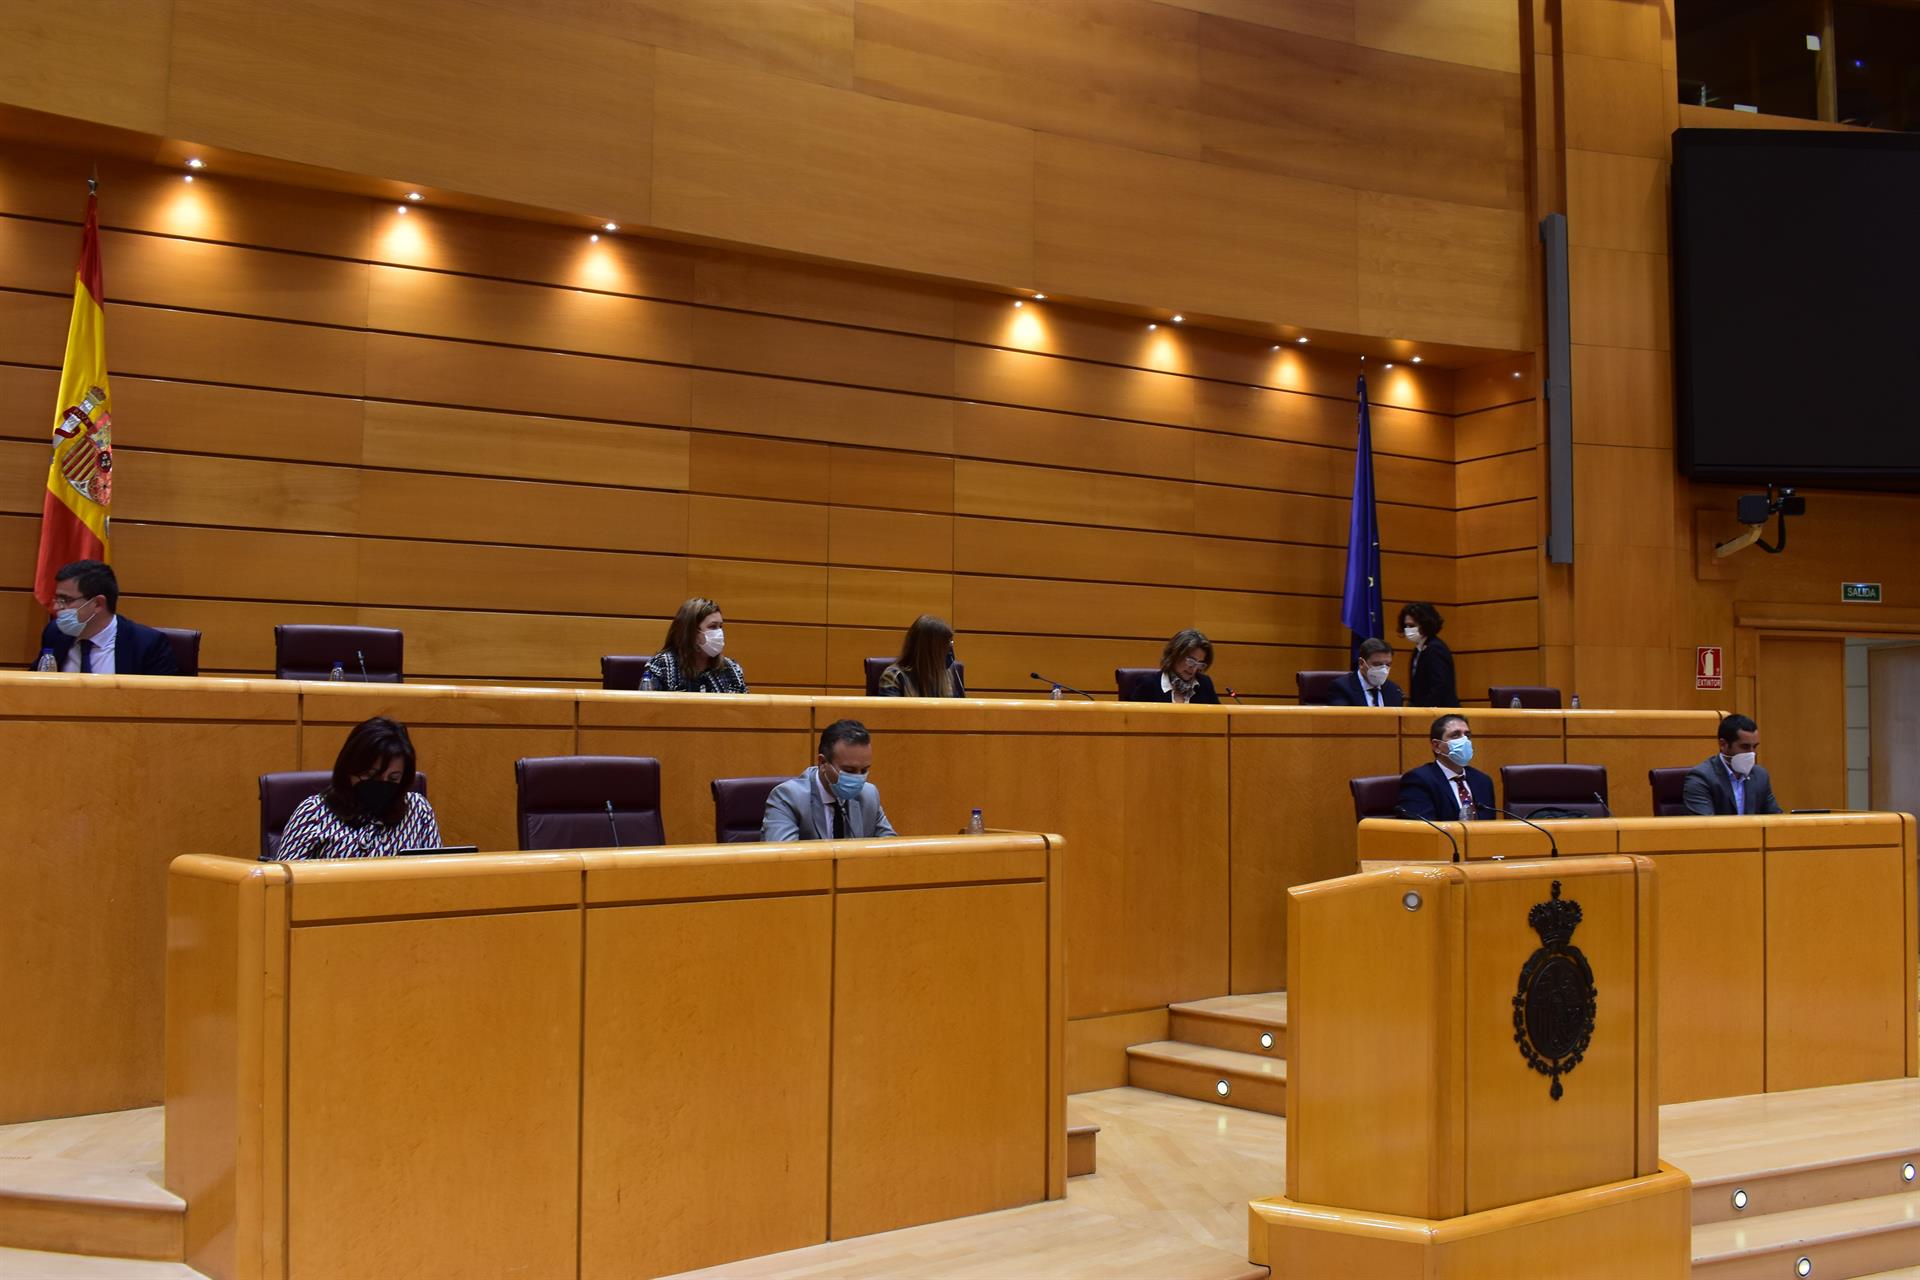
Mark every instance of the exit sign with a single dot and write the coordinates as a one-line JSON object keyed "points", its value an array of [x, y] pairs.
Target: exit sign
{"points": [[1860, 592]]}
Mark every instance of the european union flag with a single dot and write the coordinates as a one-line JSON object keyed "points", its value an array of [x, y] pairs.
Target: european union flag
{"points": [[1361, 607]]}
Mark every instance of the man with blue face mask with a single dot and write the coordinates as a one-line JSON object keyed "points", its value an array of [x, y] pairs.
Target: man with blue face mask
{"points": [[88, 637], [1449, 789], [833, 800]]}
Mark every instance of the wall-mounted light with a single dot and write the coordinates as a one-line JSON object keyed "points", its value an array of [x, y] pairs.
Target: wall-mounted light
{"points": [[1222, 1088], [1266, 1039], [1739, 1197]]}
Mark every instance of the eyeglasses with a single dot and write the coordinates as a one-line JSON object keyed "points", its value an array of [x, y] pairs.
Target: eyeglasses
{"points": [[70, 602]]}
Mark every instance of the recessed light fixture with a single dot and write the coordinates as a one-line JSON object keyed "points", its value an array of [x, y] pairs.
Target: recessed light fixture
{"points": [[1804, 1267], [1906, 1172], [195, 162], [1301, 341], [609, 226], [1039, 297], [1739, 1197], [594, 238], [1266, 1039], [413, 195], [1516, 373], [1017, 302], [1152, 327], [1389, 364], [1178, 318], [1416, 359], [399, 208], [1222, 1088], [187, 178], [1276, 346]]}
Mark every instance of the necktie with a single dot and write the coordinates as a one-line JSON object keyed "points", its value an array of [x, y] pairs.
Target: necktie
{"points": [[1466, 798], [1373, 697], [840, 820], [86, 655]]}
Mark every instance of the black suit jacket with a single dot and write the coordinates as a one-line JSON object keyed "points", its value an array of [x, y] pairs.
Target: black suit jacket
{"points": [[1708, 791], [1202, 694], [1432, 676], [1347, 691], [1426, 793], [137, 650]]}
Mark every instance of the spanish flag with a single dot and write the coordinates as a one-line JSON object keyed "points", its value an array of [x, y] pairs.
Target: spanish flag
{"points": [[74, 521]]}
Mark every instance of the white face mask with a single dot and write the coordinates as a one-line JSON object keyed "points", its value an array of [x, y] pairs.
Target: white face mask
{"points": [[1412, 634], [1742, 763], [712, 642], [1375, 676]]}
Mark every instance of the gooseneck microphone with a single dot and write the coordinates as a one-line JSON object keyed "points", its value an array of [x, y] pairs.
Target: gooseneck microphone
{"points": [[1602, 802], [1061, 684], [1402, 811], [1552, 844], [364, 677], [613, 824], [1231, 694]]}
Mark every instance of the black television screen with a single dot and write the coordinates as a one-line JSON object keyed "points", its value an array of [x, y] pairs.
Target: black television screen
{"points": [[1796, 283]]}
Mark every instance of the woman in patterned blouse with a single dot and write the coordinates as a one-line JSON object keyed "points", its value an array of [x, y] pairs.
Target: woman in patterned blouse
{"points": [[370, 810], [693, 659]]}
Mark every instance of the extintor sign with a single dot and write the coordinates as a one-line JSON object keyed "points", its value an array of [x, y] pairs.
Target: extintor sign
{"points": [[1708, 672]]}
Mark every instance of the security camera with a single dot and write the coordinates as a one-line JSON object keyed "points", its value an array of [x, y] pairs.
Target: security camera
{"points": [[1754, 510]]}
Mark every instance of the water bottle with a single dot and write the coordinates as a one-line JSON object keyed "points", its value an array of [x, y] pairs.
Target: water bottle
{"points": [[1576, 702], [1056, 695], [1515, 704], [45, 661], [646, 681], [339, 671], [975, 827]]}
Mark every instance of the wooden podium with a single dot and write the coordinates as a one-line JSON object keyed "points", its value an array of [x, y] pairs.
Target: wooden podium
{"points": [[1471, 1086]]}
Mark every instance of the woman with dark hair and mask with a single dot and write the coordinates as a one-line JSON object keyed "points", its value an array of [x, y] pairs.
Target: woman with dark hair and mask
{"points": [[1183, 671], [1430, 684], [925, 668], [370, 809], [692, 658]]}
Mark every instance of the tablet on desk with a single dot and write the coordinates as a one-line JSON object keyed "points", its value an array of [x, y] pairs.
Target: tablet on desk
{"points": [[451, 848]]}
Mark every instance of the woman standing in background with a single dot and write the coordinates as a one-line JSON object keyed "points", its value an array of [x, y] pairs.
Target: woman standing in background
{"points": [[1431, 682]]}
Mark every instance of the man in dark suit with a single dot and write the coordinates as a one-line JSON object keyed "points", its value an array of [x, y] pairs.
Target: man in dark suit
{"points": [[1368, 686], [1447, 789], [1730, 782], [87, 635]]}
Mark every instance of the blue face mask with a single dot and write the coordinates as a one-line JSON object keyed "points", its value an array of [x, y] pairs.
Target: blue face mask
{"points": [[69, 622], [847, 786], [1460, 751]]}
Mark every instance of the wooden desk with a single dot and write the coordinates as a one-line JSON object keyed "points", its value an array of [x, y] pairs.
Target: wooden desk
{"points": [[1188, 824], [608, 1063], [1786, 943]]}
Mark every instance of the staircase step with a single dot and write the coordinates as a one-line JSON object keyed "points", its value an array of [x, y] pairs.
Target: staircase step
{"points": [[1254, 1024], [1781, 1190], [32, 1264], [1081, 1155], [84, 1207], [1855, 1238], [1205, 1074]]}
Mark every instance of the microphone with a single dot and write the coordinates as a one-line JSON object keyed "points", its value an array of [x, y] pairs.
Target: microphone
{"points": [[613, 824], [1231, 694], [1602, 802], [363, 665], [1061, 684], [1552, 844], [1402, 811]]}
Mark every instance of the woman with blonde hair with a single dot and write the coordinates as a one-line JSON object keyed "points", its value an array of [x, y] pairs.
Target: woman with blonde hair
{"points": [[693, 658], [925, 668]]}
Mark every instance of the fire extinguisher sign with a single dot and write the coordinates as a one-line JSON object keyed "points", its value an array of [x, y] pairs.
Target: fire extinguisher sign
{"points": [[1708, 671]]}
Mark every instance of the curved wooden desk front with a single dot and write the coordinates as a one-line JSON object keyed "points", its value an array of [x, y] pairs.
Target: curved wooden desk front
{"points": [[1786, 943], [646, 1061]]}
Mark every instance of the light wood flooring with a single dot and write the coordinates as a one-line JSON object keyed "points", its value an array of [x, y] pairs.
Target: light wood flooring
{"points": [[1723, 1136]]}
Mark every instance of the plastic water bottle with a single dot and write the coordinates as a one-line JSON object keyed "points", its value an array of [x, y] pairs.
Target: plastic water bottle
{"points": [[339, 671], [1515, 704], [975, 827], [45, 661], [1057, 695], [646, 681], [1576, 702]]}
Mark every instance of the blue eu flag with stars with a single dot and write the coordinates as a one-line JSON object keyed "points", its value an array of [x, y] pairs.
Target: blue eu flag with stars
{"points": [[1361, 606]]}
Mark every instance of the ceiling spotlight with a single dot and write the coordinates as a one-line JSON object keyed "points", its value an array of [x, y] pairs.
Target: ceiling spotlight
{"points": [[1416, 359], [413, 195], [195, 162], [1017, 302], [594, 238], [1152, 327], [1039, 297], [1276, 346], [1516, 373], [1178, 319], [608, 226], [187, 178], [1389, 364], [1301, 341], [399, 208]]}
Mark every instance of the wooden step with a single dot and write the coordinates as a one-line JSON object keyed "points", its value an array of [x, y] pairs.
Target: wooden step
{"points": [[1744, 1196], [75, 1206], [30, 1264], [1081, 1156], [1254, 1024], [1855, 1238], [1207, 1074]]}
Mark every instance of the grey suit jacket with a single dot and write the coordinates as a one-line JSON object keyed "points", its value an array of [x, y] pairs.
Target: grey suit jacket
{"points": [[1708, 790], [797, 810]]}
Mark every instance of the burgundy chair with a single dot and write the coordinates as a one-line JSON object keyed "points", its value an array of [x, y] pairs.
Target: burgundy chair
{"points": [[1137, 684], [305, 651], [1669, 790], [876, 667], [1315, 686], [186, 648], [740, 807], [281, 794], [563, 801], [1375, 797], [1570, 788], [623, 670], [1533, 697]]}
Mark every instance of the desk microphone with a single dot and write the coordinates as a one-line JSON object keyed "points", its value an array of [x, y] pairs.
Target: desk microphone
{"points": [[613, 824], [1402, 811], [1602, 801], [364, 677], [1231, 694], [1552, 844], [1061, 684]]}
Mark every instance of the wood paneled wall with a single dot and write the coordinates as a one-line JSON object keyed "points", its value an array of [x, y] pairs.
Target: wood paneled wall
{"points": [[526, 448], [1349, 164]]}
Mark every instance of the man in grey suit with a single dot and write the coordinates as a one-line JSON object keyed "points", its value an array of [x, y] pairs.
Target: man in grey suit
{"points": [[1730, 782], [833, 800]]}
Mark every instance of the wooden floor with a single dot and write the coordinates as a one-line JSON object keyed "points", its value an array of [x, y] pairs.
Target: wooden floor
{"points": [[1724, 1136]]}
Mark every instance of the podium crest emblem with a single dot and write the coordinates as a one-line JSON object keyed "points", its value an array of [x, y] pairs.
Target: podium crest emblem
{"points": [[1554, 1008]]}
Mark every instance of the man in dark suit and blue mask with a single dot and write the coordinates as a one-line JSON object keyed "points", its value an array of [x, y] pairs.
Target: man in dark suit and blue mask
{"points": [[833, 800], [87, 636], [1730, 783], [1448, 789]]}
